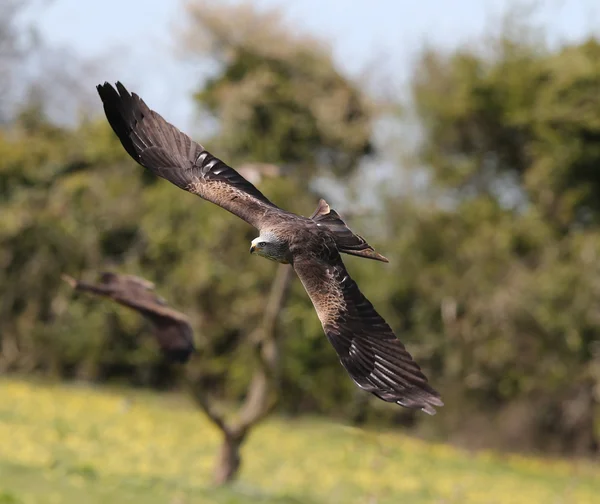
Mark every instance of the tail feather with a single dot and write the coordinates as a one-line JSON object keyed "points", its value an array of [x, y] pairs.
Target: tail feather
{"points": [[346, 241]]}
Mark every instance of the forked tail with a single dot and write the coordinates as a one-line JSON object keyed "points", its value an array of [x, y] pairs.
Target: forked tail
{"points": [[346, 241]]}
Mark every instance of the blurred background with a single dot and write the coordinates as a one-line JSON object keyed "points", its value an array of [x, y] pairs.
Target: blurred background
{"points": [[462, 139]]}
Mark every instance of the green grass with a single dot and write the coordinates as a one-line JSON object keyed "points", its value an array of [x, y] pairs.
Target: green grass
{"points": [[84, 445]]}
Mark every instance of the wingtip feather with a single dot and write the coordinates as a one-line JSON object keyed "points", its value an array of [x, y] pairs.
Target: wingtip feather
{"points": [[423, 398], [368, 253], [122, 89], [430, 410], [431, 402]]}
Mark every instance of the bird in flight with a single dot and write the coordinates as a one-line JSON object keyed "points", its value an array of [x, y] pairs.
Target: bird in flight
{"points": [[374, 357], [172, 328]]}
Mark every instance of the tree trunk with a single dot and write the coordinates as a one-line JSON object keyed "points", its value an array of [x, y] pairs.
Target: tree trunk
{"points": [[228, 463], [262, 393]]}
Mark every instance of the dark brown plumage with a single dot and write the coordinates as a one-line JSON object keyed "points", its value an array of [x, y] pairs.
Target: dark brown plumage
{"points": [[375, 359], [172, 329]]}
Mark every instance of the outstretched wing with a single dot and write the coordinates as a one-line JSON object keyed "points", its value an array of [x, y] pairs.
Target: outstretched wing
{"points": [[172, 328], [167, 152], [375, 359], [115, 279]]}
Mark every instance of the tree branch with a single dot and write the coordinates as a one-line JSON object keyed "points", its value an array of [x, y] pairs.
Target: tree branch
{"points": [[260, 399], [205, 403], [261, 396]]}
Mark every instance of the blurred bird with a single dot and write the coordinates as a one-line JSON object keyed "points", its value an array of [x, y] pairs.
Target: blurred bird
{"points": [[172, 329], [375, 359]]}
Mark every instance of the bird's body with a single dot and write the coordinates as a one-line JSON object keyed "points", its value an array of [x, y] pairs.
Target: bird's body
{"points": [[281, 241], [367, 347]]}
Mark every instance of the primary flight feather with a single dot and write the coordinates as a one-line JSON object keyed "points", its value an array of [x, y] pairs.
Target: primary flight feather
{"points": [[375, 359]]}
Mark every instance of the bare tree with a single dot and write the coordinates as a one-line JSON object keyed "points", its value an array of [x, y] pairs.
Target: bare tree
{"points": [[262, 393], [174, 336]]}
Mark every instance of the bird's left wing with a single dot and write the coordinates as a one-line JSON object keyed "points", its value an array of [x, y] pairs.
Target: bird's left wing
{"points": [[171, 154], [376, 360]]}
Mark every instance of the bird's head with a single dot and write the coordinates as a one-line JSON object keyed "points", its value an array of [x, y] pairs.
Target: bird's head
{"points": [[269, 247]]}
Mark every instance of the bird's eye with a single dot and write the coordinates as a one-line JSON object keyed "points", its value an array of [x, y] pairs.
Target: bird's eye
{"points": [[262, 244]]}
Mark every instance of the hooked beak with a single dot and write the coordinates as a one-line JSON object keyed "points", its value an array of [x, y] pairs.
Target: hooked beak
{"points": [[252, 248]]}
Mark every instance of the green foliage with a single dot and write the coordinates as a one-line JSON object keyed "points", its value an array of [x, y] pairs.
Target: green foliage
{"points": [[525, 120], [73, 202], [279, 99], [11, 49], [498, 275], [493, 280]]}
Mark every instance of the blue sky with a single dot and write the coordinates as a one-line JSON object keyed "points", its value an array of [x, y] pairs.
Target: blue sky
{"points": [[133, 39]]}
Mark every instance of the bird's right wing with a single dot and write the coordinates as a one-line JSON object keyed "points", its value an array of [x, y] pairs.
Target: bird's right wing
{"points": [[171, 154], [117, 279], [172, 328], [376, 360], [173, 332]]}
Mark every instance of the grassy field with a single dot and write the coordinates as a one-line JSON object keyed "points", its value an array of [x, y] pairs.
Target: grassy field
{"points": [[81, 445]]}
